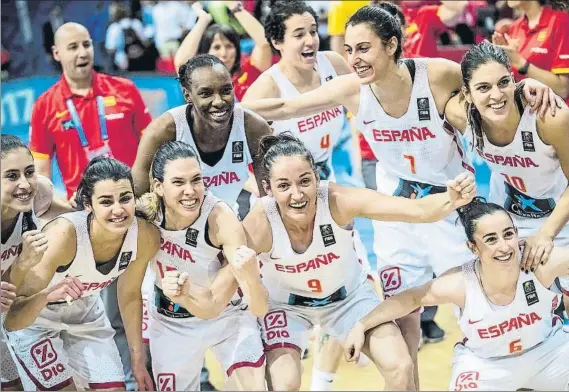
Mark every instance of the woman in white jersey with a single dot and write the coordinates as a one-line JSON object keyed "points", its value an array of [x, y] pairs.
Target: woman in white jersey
{"points": [[224, 134], [513, 340], [58, 327], [195, 305], [528, 156], [303, 233], [25, 197], [399, 108]]}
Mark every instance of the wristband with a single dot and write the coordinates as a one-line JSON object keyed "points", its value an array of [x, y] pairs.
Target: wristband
{"points": [[524, 70]]}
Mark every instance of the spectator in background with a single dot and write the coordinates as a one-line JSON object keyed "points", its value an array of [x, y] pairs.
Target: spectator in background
{"points": [[126, 44], [537, 43], [84, 115], [223, 42], [338, 15], [172, 21]]}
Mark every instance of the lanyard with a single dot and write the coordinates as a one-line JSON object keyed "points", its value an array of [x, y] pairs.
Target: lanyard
{"points": [[79, 126]]}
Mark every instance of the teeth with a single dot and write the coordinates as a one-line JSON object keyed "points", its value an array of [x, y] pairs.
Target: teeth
{"points": [[362, 70], [298, 205], [497, 106], [23, 196], [118, 220], [219, 114], [188, 203], [503, 258]]}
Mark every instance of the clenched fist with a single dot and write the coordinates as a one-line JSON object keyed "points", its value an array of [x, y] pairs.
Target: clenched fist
{"points": [[176, 285], [7, 296], [462, 189], [245, 265], [69, 289], [34, 245]]}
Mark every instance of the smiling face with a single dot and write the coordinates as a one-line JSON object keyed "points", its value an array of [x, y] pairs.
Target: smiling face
{"points": [[212, 95], [293, 184], [223, 49], [366, 52], [74, 50], [492, 91], [112, 205], [183, 189], [496, 240], [19, 181], [301, 42]]}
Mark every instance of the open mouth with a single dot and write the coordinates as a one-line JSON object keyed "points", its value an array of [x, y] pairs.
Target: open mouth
{"points": [[298, 206], [218, 114], [308, 54], [118, 220], [504, 258], [362, 70], [23, 196], [189, 204], [498, 106], [83, 65]]}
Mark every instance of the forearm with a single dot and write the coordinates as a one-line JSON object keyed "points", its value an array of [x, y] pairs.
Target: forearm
{"points": [[190, 44], [141, 180], [272, 109], [130, 303], [252, 26], [391, 309], [434, 208], [556, 82], [257, 296], [25, 310], [558, 218], [207, 303]]}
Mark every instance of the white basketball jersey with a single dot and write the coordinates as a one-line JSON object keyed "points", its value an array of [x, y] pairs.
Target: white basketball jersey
{"points": [[499, 331], [227, 177], [12, 248], [318, 132], [188, 250], [84, 267], [419, 146], [527, 178], [329, 263]]}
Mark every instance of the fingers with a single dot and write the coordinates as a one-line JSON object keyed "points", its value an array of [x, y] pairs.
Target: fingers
{"points": [[538, 102], [182, 278], [546, 253], [8, 287], [527, 258], [552, 102], [8, 294], [559, 102], [351, 354]]}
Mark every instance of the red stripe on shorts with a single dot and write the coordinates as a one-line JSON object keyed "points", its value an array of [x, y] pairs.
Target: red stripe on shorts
{"points": [[38, 384], [564, 291], [242, 364], [107, 385], [282, 345], [10, 384]]}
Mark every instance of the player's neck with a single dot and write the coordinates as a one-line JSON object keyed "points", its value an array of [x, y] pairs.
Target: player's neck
{"points": [[500, 279], [9, 217], [102, 237], [174, 222], [297, 76], [79, 86], [393, 83], [532, 9], [502, 132]]}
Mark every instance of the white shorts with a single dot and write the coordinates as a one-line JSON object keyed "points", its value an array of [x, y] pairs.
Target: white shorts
{"points": [[66, 341], [544, 367], [8, 370], [147, 290], [288, 326], [409, 253], [178, 346]]}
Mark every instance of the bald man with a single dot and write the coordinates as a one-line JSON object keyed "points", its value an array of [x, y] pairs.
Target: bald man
{"points": [[84, 115]]}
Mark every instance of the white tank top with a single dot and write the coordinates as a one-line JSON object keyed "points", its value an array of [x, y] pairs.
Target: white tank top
{"points": [[318, 132], [83, 265], [187, 251], [12, 248], [329, 264], [501, 331], [419, 146], [527, 178], [227, 177]]}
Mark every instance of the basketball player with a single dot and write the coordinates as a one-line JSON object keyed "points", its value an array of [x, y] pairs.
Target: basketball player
{"points": [[25, 196], [513, 340], [528, 156], [224, 134], [58, 324], [399, 107], [197, 232], [303, 233]]}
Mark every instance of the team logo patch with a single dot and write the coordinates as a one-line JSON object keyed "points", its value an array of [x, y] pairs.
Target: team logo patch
{"points": [[329, 78], [423, 109], [327, 235], [530, 292], [192, 237], [527, 139], [275, 320], [125, 260], [43, 353], [68, 124], [466, 381], [237, 152], [390, 279], [166, 382]]}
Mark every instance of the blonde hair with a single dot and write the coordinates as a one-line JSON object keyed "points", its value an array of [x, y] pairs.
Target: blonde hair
{"points": [[149, 205]]}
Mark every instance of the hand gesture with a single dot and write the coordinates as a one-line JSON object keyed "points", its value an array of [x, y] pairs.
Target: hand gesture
{"points": [[511, 46], [354, 343], [69, 289], [245, 265], [537, 250], [34, 244], [176, 285], [540, 97], [462, 189], [7, 296], [201, 13]]}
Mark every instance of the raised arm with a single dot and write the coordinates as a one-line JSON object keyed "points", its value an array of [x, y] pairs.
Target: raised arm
{"points": [[191, 43], [226, 231], [346, 203], [255, 129], [34, 294], [448, 288], [160, 131], [343, 90], [129, 296]]}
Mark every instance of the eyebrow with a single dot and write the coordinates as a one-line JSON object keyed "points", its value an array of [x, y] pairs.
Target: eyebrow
{"points": [[110, 196], [494, 233], [502, 78]]}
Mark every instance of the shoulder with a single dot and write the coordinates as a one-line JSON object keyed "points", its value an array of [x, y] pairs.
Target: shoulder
{"points": [[222, 211], [61, 235], [116, 81], [165, 122], [48, 95], [559, 19], [44, 195], [551, 129], [148, 236], [264, 87], [455, 112], [441, 70], [258, 229], [338, 62], [255, 126]]}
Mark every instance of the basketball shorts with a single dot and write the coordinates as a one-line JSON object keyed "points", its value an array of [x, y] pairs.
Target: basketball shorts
{"points": [[541, 368], [409, 253], [66, 341], [178, 346], [289, 326], [8, 370]]}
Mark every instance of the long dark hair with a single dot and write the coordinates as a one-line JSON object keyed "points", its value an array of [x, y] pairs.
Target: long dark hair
{"points": [[225, 31]]}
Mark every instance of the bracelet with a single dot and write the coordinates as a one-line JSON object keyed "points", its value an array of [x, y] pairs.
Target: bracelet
{"points": [[524, 70], [237, 8]]}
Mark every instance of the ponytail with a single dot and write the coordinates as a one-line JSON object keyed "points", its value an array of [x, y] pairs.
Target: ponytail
{"points": [[148, 205]]}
